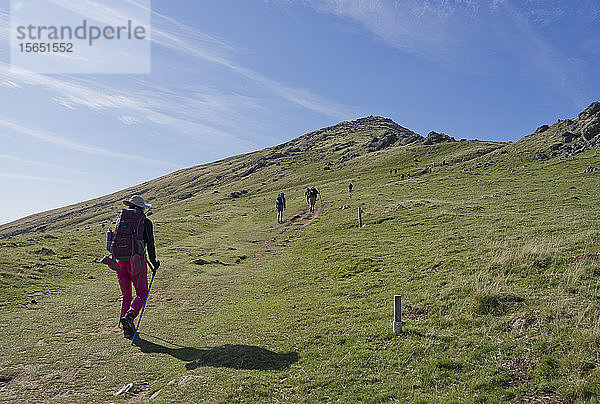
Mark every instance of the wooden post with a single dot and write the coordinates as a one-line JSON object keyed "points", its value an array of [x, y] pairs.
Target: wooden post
{"points": [[397, 314], [359, 216]]}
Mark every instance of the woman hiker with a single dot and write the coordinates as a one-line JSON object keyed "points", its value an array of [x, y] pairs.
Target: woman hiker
{"points": [[133, 234]]}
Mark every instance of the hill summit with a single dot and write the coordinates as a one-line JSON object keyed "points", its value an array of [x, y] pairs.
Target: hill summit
{"points": [[372, 133]]}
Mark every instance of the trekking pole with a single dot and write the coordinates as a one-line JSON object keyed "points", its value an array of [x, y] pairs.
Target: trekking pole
{"points": [[144, 306]]}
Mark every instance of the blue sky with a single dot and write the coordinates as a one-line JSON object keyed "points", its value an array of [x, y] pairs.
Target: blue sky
{"points": [[230, 77]]}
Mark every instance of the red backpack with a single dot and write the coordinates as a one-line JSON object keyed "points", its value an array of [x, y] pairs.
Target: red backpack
{"points": [[128, 238]]}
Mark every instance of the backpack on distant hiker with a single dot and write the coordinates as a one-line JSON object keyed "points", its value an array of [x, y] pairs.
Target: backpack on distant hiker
{"points": [[128, 236], [313, 192], [280, 202]]}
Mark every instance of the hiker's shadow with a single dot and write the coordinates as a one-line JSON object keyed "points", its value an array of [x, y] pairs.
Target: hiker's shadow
{"points": [[228, 356]]}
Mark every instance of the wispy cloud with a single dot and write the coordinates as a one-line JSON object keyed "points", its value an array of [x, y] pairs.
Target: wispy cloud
{"points": [[129, 120], [470, 35], [148, 103], [211, 118], [31, 177], [28, 162], [425, 28], [10, 84], [202, 46], [4, 25], [56, 140], [302, 97], [191, 42], [529, 45]]}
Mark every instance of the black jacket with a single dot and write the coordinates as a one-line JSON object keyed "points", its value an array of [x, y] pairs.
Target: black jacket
{"points": [[149, 240]]}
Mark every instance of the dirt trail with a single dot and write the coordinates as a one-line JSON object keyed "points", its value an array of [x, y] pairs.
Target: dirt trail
{"points": [[300, 218]]}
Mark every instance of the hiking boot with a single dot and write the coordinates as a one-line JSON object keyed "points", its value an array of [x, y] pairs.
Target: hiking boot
{"points": [[128, 327]]}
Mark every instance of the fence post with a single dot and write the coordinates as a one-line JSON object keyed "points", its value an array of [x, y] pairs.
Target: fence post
{"points": [[359, 217], [397, 314]]}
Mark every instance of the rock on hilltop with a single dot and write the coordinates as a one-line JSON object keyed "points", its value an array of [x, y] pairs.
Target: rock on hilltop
{"points": [[581, 133], [571, 136], [434, 137]]}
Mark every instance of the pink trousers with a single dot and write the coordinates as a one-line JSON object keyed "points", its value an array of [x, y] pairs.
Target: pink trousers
{"points": [[139, 278]]}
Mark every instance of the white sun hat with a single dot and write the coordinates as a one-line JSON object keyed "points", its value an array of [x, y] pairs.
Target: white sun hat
{"points": [[137, 201]]}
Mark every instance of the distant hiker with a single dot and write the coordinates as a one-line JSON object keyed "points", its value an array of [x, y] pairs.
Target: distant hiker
{"points": [[280, 206], [307, 195], [312, 198], [395, 171], [132, 235], [350, 188], [402, 176], [390, 171]]}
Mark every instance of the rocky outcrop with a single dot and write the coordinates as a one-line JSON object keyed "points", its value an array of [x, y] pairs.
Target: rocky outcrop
{"points": [[542, 129], [434, 137], [384, 133], [567, 137], [579, 134], [384, 142], [589, 122]]}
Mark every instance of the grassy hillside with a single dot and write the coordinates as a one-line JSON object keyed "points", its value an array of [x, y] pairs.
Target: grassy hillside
{"points": [[492, 252]]}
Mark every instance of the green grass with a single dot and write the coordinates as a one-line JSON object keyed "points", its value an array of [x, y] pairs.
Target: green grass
{"points": [[302, 312]]}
